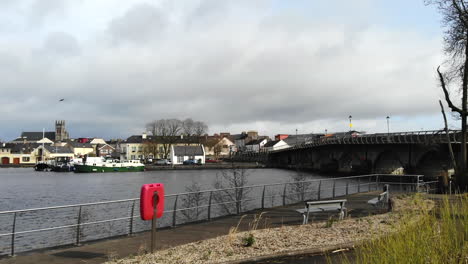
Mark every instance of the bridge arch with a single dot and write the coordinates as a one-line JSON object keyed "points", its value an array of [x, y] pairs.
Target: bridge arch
{"points": [[388, 162], [353, 162], [433, 163]]}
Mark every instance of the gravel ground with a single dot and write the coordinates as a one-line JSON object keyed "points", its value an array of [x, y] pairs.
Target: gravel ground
{"points": [[274, 241]]}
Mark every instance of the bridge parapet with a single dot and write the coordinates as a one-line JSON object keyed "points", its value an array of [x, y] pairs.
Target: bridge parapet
{"points": [[414, 137]]}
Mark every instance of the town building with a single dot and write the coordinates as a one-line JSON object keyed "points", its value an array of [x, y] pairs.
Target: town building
{"points": [[218, 146], [275, 145], [145, 147], [44, 153], [255, 145], [47, 137], [179, 154], [81, 149]]}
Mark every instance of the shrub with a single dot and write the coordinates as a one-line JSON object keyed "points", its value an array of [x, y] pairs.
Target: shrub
{"points": [[249, 240]]}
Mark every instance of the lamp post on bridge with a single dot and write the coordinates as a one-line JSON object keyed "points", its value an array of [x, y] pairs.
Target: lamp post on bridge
{"points": [[350, 122], [388, 125]]}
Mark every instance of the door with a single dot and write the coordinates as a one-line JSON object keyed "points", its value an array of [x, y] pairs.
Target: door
{"points": [[5, 160], [16, 161]]}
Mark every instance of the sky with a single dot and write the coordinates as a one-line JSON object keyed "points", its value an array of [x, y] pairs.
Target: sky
{"points": [[267, 65]]}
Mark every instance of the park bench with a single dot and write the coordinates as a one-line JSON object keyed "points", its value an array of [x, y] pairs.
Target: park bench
{"points": [[322, 206], [382, 199]]}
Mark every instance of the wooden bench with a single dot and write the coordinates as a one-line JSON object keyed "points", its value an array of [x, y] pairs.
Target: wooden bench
{"points": [[322, 206], [383, 198]]}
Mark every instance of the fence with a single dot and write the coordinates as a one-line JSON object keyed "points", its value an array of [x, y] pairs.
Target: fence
{"points": [[25, 230]]}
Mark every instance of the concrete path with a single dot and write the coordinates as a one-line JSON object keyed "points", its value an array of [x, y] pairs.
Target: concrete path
{"points": [[101, 251]]}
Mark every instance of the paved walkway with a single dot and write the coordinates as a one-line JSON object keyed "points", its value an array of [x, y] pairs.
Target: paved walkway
{"points": [[101, 251]]}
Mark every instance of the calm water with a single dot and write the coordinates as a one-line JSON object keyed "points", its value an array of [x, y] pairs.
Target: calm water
{"points": [[22, 188]]}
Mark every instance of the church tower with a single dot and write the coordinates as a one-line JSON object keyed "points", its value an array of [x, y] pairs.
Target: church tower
{"points": [[61, 133]]}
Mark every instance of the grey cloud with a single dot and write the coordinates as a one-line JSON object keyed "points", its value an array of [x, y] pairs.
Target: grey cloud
{"points": [[139, 24], [61, 44], [40, 9], [273, 70]]}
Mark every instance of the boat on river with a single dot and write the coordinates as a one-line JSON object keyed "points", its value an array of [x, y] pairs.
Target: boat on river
{"points": [[102, 165]]}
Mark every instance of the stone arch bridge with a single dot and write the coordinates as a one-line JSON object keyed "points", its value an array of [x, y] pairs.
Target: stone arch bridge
{"points": [[421, 152]]}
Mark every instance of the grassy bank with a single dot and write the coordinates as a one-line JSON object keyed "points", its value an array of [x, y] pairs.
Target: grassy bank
{"points": [[439, 236], [237, 246]]}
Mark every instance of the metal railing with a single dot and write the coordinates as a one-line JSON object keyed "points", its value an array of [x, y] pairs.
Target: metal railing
{"points": [[414, 137], [36, 228]]}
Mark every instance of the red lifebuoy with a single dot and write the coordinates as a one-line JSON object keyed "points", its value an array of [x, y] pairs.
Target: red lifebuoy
{"points": [[146, 200]]}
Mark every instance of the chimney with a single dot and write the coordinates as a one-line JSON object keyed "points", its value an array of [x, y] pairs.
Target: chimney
{"points": [[143, 136]]}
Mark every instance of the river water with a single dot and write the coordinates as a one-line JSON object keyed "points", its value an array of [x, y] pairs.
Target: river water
{"points": [[22, 188]]}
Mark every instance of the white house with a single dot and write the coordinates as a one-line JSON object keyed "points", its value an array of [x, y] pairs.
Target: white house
{"points": [[275, 145], [255, 145], [179, 154]]}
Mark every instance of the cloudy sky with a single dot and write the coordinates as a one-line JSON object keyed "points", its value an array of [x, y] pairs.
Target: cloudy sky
{"points": [[271, 66]]}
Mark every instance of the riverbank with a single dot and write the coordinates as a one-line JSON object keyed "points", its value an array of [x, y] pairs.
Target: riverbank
{"points": [[255, 245], [16, 165], [101, 251], [207, 166]]}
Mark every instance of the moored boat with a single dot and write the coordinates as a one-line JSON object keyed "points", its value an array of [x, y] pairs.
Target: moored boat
{"points": [[110, 166]]}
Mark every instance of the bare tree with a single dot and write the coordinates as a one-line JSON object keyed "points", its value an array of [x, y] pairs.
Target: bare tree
{"points": [[193, 200], [188, 127], [232, 180], [299, 187], [455, 22], [165, 132], [150, 147], [200, 128]]}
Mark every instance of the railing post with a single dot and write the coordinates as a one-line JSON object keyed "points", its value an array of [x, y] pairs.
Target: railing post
{"points": [[334, 184], [284, 194], [174, 212], [377, 182], [347, 186], [318, 193], [358, 185], [369, 184], [78, 231], [263, 197], [401, 184], [13, 232], [209, 205], [132, 212]]}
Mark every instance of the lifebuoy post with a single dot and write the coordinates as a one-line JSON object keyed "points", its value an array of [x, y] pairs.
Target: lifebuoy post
{"points": [[152, 206]]}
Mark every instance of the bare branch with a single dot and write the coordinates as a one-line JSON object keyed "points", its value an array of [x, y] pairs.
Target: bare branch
{"points": [[447, 96]]}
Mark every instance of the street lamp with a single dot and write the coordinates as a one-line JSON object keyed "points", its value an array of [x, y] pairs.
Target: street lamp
{"points": [[296, 137], [350, 122], [388, 125]]}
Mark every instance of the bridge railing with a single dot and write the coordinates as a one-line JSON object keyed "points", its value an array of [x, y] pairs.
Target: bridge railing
{"points": [[414, 137], [30, 229]]}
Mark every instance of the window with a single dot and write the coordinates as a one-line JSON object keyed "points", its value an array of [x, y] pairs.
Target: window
{"points": [[180, 159], [140, 156], [133, 149], [132, 157], [140, 148], [124, 149], [161, 149], [26, 159]]}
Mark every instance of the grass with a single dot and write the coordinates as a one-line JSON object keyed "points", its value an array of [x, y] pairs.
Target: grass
{"points": [[438, 236]]}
